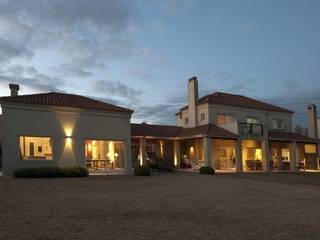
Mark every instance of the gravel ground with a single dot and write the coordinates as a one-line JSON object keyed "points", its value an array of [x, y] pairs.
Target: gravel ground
{"points": [[163, 206]]}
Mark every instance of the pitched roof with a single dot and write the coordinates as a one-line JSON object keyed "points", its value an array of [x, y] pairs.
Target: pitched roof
{"points": [[159, 131], [238, 101], [63, 100], [166, 131], [290, 136], [210, 130]]}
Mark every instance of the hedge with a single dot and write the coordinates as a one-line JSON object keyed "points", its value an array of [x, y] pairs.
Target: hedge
{"points": [[50, 172], [141, 171], [207, 170]]}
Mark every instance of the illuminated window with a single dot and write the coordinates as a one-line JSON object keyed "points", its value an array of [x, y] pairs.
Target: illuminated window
{"points": [[104, 154], [285, 154], [35, 148], [310, 148], [277, 124], [225, 119]]}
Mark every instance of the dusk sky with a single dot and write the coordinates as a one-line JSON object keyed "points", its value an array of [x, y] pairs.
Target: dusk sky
{"points": [[139, 54]]}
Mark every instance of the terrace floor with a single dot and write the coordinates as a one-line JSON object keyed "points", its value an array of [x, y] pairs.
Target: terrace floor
{"points": [[163, 206]]}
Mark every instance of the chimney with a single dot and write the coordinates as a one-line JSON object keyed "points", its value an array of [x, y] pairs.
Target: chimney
{"points": [[193, 97], [312, 121], [14, 89]]}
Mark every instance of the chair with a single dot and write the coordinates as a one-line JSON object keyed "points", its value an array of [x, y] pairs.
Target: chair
{"points": [[250, 165]]}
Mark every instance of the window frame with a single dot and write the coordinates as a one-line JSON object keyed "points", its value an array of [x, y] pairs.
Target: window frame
{"points": [[225, 114], [202, 117], [34, 159], [278, 120]]}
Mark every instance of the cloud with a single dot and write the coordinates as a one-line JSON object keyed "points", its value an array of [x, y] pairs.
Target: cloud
{"points": [[30, 78], [156, 114], [116, 88]]}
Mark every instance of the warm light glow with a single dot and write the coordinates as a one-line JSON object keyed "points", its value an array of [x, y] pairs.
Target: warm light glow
{"points": [[175, 160], [68, 141], [68, 131], [191, 150], [111, 154], [258, 154], [161, 148], [310, 148]]}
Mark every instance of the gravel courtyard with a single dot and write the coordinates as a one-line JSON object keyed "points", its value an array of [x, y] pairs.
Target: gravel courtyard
{"points": [[163, 206]]}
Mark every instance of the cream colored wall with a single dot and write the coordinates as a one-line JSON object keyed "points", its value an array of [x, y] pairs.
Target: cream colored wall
{"points": [[211, 112], [59, 122], [241, 114]]}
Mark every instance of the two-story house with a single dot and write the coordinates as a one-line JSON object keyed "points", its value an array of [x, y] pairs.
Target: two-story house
{"points": [[226, 131], [231, 133]]}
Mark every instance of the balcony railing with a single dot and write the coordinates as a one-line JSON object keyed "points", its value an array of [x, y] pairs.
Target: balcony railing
{"points": [[250, 130]]}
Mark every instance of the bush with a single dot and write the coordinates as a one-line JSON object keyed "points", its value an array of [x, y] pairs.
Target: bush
{"points": [[75, 172], [141, 171], [207, 170], [50, 172]]}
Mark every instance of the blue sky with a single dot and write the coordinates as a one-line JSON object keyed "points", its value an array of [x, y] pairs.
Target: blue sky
{"points": [[139, 54]]}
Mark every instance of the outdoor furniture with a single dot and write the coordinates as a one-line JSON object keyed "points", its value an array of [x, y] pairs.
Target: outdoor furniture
{"points": [[250, 165]]}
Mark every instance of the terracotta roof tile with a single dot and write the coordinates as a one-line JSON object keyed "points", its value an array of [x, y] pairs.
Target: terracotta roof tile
{"points": [[290, 136], [238, 101], [158, 131], [210, 130], [64, 100], [165, 131]]}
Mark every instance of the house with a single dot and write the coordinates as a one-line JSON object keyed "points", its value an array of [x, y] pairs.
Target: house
{"points": [[230, 133], [58, 129]]}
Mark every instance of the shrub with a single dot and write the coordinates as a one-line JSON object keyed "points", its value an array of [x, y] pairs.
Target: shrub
{"points": [[50, 172], [75, 172], [141, 171], [207, 170]]}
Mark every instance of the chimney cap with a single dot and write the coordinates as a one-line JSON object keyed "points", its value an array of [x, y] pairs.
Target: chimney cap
{"points": [[194, 78], [14, 86]]}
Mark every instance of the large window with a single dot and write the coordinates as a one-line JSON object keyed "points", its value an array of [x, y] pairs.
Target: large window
{"points": [[104, 154], [35, 148], [277, 124], [225, 119]]}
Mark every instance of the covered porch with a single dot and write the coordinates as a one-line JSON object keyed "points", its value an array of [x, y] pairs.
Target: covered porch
{"points": [[291, 151]]}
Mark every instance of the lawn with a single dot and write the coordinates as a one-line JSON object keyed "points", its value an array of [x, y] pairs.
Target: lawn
{"points": [[163, 206]]}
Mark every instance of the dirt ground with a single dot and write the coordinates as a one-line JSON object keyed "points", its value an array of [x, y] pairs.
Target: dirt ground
{"points": [[163, 206]]}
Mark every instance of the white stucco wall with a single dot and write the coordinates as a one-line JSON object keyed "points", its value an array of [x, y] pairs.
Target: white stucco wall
{"points": [[211, 112], [57, 123]]}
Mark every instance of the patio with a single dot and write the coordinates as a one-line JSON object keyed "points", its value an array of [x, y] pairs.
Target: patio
{"points": [[163, 206]]}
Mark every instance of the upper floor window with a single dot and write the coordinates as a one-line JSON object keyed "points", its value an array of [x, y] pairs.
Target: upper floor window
{"points": [[278, 124], [225, 119], [186, 120], [35, 148], [252, 120], [202, 117]]}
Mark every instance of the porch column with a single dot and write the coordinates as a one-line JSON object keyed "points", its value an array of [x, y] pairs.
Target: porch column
{"points": [[293, 156], [239, 164], [142, 151], [128, 160], [265, 155], [265, 149], [176, 146], [207, 143]]}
